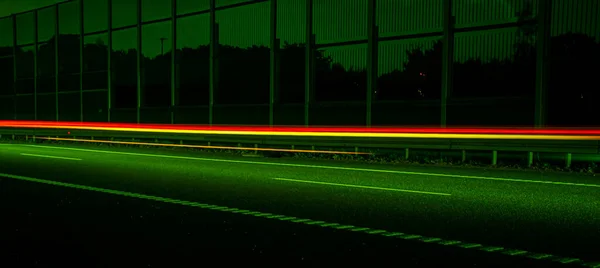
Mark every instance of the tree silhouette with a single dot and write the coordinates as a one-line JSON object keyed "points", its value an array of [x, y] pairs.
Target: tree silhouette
{"points": [[244, 75]]}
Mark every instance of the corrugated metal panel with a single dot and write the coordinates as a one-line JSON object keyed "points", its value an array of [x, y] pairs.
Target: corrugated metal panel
{"points": [[291, 21], [245, 26], [474, 12], [340, 20], [351, 57], [401, 16], [486, 45], [6, 32], [576, 16], [394, 54]]}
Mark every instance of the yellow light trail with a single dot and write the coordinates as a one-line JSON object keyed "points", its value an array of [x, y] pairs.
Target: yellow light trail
{"points": [[205, 146]]}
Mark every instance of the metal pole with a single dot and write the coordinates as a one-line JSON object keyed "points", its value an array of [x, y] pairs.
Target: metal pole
{"points": [[214, 43], [447, 60], [173, 54], [109, 63], [273, 63], [56, 65], [542, 63], [35, 64], [81, 60], [372, 57], [14, 50], [139, 60], [309, 77]]}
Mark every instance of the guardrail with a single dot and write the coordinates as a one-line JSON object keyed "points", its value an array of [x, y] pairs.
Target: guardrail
{"points": [[358, 140]]}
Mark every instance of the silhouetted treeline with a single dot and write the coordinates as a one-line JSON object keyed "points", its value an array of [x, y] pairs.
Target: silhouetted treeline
{"points": [[244, 75]]}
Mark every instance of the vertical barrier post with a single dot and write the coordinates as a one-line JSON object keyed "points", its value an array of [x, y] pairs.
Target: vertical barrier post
{"points": [[542, 62], [568, 160], [109, 63], [139, 59], [214, 43], [274, 43], [309, 77], [447, 60], [494, 157], [56, 65], [81, 45], [173, 59], [372, 57], [35, 64], [14, 52]]}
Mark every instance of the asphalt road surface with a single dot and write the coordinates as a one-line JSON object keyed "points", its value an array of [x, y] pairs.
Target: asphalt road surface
{"points": [[100, 206]]}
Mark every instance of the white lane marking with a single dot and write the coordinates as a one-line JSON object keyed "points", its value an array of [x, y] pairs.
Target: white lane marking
{"points": [[361, 186], [51, 156], [325, 167]]}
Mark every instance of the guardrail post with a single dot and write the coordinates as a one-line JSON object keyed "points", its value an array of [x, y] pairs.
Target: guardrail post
{"points": [[530, 159], [255, 148], [406, 153], [568, 160], [494, 158], [464, 156]]}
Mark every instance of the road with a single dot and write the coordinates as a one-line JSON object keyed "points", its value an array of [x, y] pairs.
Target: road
{"points": [[101, 206]]}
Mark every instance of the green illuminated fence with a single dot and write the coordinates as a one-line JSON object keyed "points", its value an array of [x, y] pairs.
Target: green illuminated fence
{"points": [[109, 60]]}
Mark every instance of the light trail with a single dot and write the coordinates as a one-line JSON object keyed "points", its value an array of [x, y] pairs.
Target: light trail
{"points": [[422, 133], [204, 146]]}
